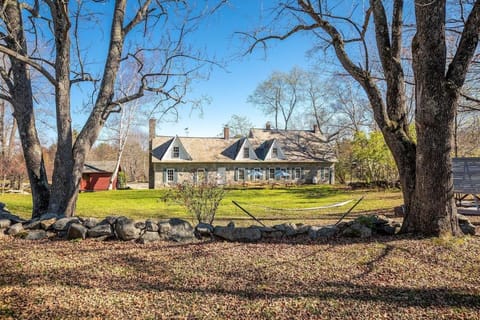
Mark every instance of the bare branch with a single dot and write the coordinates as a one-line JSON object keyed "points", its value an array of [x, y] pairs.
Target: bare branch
{"points": [[28, 61]]}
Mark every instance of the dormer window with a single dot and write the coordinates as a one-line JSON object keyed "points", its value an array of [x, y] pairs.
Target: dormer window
{"points": [[176, 152], [246, 153], [274, 153]]}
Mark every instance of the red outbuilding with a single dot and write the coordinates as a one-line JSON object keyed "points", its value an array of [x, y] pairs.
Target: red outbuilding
{"points": [[96, 176]]}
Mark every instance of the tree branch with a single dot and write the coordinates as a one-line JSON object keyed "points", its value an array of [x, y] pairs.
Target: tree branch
{"points": [[458, 68], [28, 61]]}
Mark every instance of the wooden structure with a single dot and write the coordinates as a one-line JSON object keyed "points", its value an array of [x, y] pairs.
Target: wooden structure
{"points": [[96, 176], [466, 180]]}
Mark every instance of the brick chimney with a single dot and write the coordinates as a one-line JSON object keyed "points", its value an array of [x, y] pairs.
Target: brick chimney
{"points": [[268, 126], [316, 129], [152, 123], [226, 133]]}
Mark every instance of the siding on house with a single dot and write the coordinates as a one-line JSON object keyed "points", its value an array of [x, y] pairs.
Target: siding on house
{"points": [[302, 155]]}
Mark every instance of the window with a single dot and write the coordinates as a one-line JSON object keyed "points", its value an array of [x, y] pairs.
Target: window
{"points": [[274, 153], [176, 152], [297, 173], [170, 175], [241, 174], [271, 173], [246, 153]]}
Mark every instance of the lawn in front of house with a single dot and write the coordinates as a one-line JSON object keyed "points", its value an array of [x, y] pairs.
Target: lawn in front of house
{"points": [[143, 204]]}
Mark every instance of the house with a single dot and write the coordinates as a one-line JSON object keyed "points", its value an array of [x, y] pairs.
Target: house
{"points": [[96, 175], [266, 156]]}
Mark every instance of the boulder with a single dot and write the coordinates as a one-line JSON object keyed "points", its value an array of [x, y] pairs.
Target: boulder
{"points": [[322, 232], [292, 229], [63, 223], [46, 224], [8, 216], [204, 230], [76, 231], [238, 234], [5, 223], [125, 229], [179, 230], [140, 225], [15, 229], [465, 225], [149, 236], [151, 225], [270, 233], [111, 220], [90, 222], [357, 230], [32, 225], [36, 234], [101, 230]]}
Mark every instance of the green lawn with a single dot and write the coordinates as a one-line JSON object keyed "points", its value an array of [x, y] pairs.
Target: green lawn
{"points": [[141, 204]]}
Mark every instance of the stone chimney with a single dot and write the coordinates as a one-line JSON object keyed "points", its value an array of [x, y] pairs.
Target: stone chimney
{"points": [[316, 129], [152, 128], [268, 126], [226, 133]]}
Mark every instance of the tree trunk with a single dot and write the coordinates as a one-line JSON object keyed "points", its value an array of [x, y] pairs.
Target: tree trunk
{"points": [[433, 211], [62, 184], [22, 102]]}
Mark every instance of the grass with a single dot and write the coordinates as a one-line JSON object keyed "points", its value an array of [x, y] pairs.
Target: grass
{"points": [[142, 204], [338, 279]]}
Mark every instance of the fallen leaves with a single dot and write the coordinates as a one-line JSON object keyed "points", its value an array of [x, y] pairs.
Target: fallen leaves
{"points": [[397, 278]]}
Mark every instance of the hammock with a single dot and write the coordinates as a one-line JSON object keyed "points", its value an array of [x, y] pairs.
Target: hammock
{"points": [[338, 204]]}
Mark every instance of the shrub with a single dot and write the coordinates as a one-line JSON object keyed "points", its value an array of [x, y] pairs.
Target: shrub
{"points": [[121, 180], [200, 200]]}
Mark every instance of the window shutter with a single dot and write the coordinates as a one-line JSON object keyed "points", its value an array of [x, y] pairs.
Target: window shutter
{"points": [[165, 175], [235, 176], [175, 175]]}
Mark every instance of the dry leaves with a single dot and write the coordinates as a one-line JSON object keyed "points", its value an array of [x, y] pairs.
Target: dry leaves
{"points": [[390, 278]]}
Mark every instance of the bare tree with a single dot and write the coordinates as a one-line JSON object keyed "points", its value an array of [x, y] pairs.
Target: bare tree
{"points": [[279, 95], [175, 65], [424, 166], [239, 126]]}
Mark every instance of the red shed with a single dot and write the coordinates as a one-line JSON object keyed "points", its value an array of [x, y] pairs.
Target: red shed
{"points": [[96, 175]]}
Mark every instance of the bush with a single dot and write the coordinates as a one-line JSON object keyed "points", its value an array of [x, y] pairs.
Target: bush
{"points": [[201, 200], [121, 180]]}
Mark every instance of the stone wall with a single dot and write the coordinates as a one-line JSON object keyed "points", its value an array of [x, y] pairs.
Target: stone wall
{"points": [[126, 229]]}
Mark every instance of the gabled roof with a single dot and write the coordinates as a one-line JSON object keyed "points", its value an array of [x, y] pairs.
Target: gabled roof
{"points": [[99, 167], [296, 145]]}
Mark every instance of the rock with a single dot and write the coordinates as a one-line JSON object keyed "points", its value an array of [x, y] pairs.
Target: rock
{"points": [[63, 223], [271, 233], [111, 220], [292, 229], [238, 234], [76, 231], [125, 229], [204, 230], [322, 232], [357, 230], [46, 224], [465, 225], [5, 223], [8, 216], [15, 229], [90, 222], [35, 234], [100, 230], [151, 225], [32, 225], [231, 224], [149, 236], [140, 225], [180, 230]]}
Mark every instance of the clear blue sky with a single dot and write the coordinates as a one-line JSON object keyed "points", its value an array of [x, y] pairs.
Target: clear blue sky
{"points": [[229, 89]]}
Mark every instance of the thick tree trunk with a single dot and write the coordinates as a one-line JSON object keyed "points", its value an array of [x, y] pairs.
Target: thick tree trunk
{"points": [[433, 211], [62, 184], [22, 102]]}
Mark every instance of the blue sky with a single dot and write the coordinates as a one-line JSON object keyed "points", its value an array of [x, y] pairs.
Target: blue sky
{"points": [[229, 89]]}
